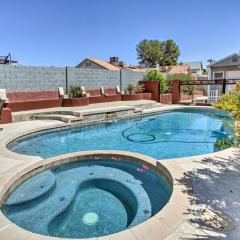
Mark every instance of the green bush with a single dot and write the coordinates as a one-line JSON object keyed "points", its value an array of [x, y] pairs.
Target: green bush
{"points": [[184, 78], [154, 74], [75, 92], [231, 103]]}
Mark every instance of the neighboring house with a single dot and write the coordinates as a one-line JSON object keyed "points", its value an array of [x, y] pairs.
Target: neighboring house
{"points": [[113, 64], [197, 69], [225, 68], [175, 69], [179, 69], [7, 60]]}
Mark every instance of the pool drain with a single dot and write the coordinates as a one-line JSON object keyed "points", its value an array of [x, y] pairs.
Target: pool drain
{"points": [[90, 218]]}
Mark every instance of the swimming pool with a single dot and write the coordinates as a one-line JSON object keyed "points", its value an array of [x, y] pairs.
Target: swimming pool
{"points": [[178, 133], [88, 198]]}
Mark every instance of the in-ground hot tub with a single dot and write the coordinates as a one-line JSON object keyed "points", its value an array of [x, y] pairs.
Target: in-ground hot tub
{"points": [[88, 195]]}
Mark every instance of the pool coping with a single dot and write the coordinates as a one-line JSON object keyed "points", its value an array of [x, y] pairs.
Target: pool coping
{"points": [[163, 224]]}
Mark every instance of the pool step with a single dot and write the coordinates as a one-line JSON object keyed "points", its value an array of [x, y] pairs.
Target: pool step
{"points": [[59, 117], [138, 110], [88, 115]]}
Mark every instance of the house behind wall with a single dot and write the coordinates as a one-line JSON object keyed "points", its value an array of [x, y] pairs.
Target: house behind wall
{"points": [[225, 68]]}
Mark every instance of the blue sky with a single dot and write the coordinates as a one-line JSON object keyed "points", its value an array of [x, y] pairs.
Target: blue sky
{"points": [[63, 32]]}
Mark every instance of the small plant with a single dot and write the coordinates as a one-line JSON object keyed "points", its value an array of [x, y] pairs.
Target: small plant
{"points": [[134, 88], [223, 143], [75, 92], [139, 88], [154, 74], [130, 88]]}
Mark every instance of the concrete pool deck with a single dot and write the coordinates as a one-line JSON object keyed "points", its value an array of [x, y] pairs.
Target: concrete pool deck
{"points": [[206, 195]]}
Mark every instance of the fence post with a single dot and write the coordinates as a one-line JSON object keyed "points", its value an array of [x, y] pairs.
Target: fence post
{"points": [[175, 91], [120, 78], [224, 83], [66, 79]]}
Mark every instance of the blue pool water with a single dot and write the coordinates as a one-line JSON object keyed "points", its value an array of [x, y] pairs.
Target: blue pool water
{"points": [[178, 133], [87, 198]]}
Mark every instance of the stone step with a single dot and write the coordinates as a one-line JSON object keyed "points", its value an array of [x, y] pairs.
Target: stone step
{"points": [[59, 117], [138, 110]]}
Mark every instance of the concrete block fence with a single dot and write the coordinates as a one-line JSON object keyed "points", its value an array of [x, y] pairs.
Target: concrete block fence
{"points": [[20, 78]]}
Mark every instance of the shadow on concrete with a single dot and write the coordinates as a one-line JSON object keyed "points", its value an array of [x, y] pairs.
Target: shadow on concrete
{"points": [[213, 187]]}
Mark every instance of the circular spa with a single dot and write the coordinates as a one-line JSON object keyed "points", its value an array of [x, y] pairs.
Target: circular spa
{"points": [[93, 195], [172, 134]]}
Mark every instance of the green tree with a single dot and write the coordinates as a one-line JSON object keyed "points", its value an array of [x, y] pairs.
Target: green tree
{"points": [[184, 78], [150, 52], [171, 53], [210, 61], [154, 74], [153, 52]]}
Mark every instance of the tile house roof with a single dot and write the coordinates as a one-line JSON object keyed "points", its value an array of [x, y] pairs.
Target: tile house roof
{"points": [[104, 64], [222, 59], [110, 66], [179, 69]]}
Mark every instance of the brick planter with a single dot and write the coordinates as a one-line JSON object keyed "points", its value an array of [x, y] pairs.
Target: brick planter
{"points": [[152, 87], [73, 102], [6, 116], [146, 95], [166, 98], [132, 97]]}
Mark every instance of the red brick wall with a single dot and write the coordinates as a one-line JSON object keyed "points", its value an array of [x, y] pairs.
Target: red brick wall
{"points": [[152, 87], [111, 91], [175, 91], [36, 104], [146, 95], [32, 95], [6, 116], [94, 92], [166, 98]]}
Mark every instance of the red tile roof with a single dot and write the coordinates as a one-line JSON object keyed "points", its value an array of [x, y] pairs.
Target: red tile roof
{"points": [[179, 69], [110, 66], [104, 64]]}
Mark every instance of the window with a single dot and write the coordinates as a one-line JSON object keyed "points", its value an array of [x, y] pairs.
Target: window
{"points": [[218, 75], [88, 64]]}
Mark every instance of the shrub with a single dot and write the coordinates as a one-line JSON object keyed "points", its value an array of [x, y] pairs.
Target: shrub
{"points": [[75, 92], [134, 88], [237, 89], [130, 88], [154, 74], [138, 88], [184, 78], [231, 103]]}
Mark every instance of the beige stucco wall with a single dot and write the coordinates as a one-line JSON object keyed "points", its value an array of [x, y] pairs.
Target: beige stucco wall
{"points": [[224, 69]]}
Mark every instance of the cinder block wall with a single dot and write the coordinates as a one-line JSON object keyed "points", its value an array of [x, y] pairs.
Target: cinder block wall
{"points": [[93, 78], [17, 78], [20, 78], [131, 77]]}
